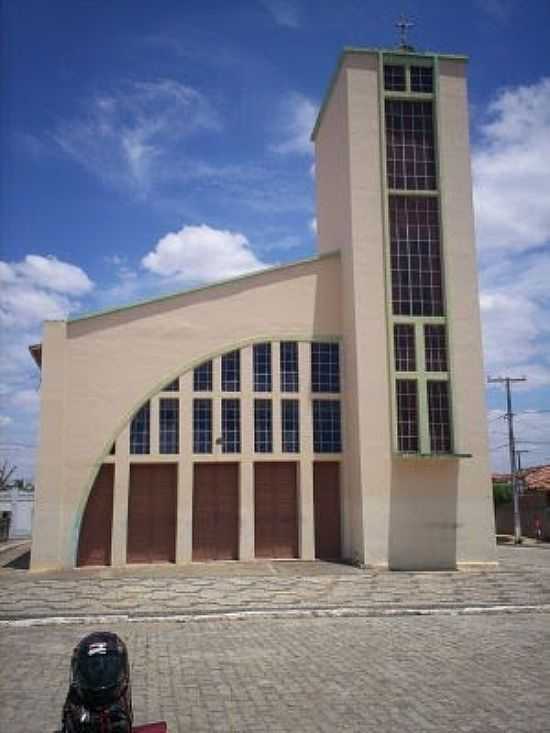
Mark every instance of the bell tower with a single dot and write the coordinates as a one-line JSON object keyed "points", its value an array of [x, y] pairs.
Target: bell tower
{"points": [[394, 196]]}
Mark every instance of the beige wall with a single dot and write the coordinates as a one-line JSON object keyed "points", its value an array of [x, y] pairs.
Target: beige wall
{"points": [[474, 515], [104, 367], [348, 155]]}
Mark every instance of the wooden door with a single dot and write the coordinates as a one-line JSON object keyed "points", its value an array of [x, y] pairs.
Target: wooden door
{"points": [[275, 510], [94, 542], [152, 503], [216, 511], [326, 502]]}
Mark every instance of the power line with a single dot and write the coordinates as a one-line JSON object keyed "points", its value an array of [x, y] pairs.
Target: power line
{"points": [[533, 412]]}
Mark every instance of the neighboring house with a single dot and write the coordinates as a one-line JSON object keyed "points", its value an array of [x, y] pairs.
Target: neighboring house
{"points": [[332, 407], [534, 503], [19, 504]]}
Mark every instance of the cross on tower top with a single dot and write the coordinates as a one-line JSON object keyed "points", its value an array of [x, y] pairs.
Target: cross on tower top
{"points": [[404, 25]]}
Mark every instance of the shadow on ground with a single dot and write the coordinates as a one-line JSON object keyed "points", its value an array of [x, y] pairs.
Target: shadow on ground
{"points": [[22, 562]]}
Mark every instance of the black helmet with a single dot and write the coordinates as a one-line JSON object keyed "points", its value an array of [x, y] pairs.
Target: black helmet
{"points": [[99, 669]]}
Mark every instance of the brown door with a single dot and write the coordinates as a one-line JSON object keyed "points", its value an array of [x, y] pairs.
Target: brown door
{"points": [[275, 510], [326, 502], [152, 513], [94, 542], [216, 511]]}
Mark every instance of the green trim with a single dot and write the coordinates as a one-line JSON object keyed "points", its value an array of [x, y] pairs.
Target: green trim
{"points": [[445, 273], [408, 95], [421, 376], [438, 456], [105, 456], [434, 193], [390, 351], [435, 320], [191, 291]]}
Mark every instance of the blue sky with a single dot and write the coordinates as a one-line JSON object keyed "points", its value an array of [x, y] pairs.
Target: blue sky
{"points": [[147, 147]]}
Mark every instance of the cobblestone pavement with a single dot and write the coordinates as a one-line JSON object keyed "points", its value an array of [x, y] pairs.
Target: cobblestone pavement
{"points": [[476, 674], [523, 578]]}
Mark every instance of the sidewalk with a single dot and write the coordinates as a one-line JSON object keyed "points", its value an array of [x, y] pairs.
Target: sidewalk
{"points": [[522, 581]]}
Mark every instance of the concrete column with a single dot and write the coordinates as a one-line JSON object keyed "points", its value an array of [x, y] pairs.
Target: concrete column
{"points": [[305, 514], [247, 405], [154, 426], [276, 396], [216, 407], [246, 511], [306, 424], [184, 526], [120, 500], [305, 477], [50, 545]]}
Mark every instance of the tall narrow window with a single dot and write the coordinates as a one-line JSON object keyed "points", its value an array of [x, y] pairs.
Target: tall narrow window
{"points": [[202, 426], [394, 78], [263, 426], [407, 415], [327, 433], [172, 387], [231, 426], [231, 372], [289, 366], [439, 416], [290, 426], [169, 424], [262, 367], [140, 431], [436, 347], [202, 377], [422, 79], [325, 367], [410, 149], [404, 347], [415, 256]]}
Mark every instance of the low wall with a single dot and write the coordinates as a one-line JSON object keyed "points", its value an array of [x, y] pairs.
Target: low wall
{"points": [[533, 506]]}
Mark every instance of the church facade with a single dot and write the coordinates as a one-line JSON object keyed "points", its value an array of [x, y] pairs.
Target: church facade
{"points": [[329, 408]]}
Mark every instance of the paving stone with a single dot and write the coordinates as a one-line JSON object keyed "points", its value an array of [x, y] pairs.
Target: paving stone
{"points": [[522, 578]]}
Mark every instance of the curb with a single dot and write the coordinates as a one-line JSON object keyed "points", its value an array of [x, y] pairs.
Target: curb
{"points": [[291, 613]]}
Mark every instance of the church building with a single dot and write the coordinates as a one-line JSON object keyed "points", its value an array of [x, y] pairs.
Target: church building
{"points": [[329, 408]]}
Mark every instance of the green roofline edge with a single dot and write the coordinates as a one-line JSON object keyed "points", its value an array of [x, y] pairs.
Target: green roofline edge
{"points": [[381, 51], [189, 291]]}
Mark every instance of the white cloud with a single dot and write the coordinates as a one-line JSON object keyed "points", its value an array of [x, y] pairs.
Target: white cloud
{"points": [[297, 117], [39, 288], [31, 290], [499, 10], [5, 420], [199, 254], [515, 301], [25, 399], [285, 13], [129, 138], [512, 172], [532, 433], [313, 225], [52, 274]]}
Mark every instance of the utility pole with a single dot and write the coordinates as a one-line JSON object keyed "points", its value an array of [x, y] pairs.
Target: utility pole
{"points": [[518, 454], [512, 448]]}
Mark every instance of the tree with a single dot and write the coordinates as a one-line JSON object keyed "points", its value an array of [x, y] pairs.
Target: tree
{"points": [[6, 473], [502, 493]]}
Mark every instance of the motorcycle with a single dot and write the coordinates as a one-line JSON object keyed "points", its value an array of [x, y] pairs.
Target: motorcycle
{"points": [[99, 699]]}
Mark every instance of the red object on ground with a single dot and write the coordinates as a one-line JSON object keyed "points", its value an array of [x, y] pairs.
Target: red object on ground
{"points": [[151, 728]]}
